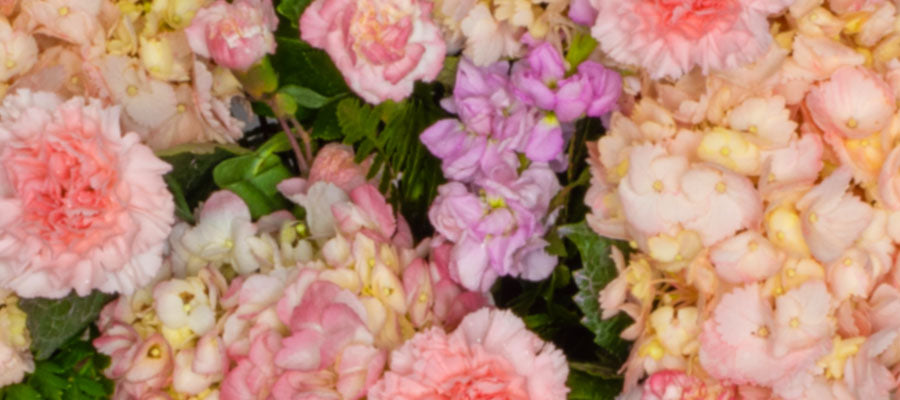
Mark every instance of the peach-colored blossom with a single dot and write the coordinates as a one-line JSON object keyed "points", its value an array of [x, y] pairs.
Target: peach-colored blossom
{"points": [[832, 218], [75, 21], [746, 258], [380, 46], [18, 51], [670, 38], [855, 103], [490, 355], [651, 193], [85, 206]]}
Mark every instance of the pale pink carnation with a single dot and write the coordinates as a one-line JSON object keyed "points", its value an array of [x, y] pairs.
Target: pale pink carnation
{"points": [[235, 35], [82, 206], [669, 38], [380, 46], [491, 355]]}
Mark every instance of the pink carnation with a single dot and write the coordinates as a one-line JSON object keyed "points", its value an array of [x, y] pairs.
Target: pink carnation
{"points": [[381, 46], [671, 37], [490, 356], [82, 206], [234, 35]]}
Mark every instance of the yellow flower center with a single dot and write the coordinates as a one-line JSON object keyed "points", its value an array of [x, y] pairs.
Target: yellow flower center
{"points": [[852, 123], [720, 187], [658, 186], [63, 11], [762, 332], [795, 322], [132, 90]]}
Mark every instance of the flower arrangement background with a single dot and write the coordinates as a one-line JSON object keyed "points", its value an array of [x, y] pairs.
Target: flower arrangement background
{"points": [[460, 199]]}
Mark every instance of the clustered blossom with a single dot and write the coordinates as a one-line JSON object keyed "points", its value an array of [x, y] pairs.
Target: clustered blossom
{"points": [[382, 47], [314, 306], [166, 63], [511, 130], [15, 356], [761, 202], [489, 31]]}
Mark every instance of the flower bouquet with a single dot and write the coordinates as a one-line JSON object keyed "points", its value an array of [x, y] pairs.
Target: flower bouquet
{"points": [[449, 199]]}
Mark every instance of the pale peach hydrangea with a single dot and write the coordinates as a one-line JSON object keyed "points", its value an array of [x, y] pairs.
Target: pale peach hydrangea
{"points": [[797, 299]]}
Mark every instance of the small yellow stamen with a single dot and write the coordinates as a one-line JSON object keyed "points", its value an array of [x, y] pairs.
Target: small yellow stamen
{"points": [[632, 244], [762, 332], [10, 64], [423, 298], [771, 177], [187, 308], [132, 90], [74, 80], [852, 123], [720, 187], [752, 129], [813, 218], [387, 291], [779, 235], [791, 272], [779, 291], [795, 322], [752, 245], [63, 11], [371, 262], [180, 108], [154, 352], [847, 261], [658, 186], [864, 143], [725, 151]]}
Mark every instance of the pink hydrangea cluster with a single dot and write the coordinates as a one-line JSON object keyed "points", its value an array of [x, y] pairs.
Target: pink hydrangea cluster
{"points": [[313, 306], [168, 65], [496, 210], [761, 203]]}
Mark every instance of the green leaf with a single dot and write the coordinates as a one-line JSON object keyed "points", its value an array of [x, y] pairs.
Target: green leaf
{"points": [[292, 10], [74, 372], [598, 269], [326, 126], [52, 322], [580, 49], [304, 97], [585, 386], [447, 76], [299, 64], [254, 177], [259, 79], [19, 391], [190, 180], [357, 121]]}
